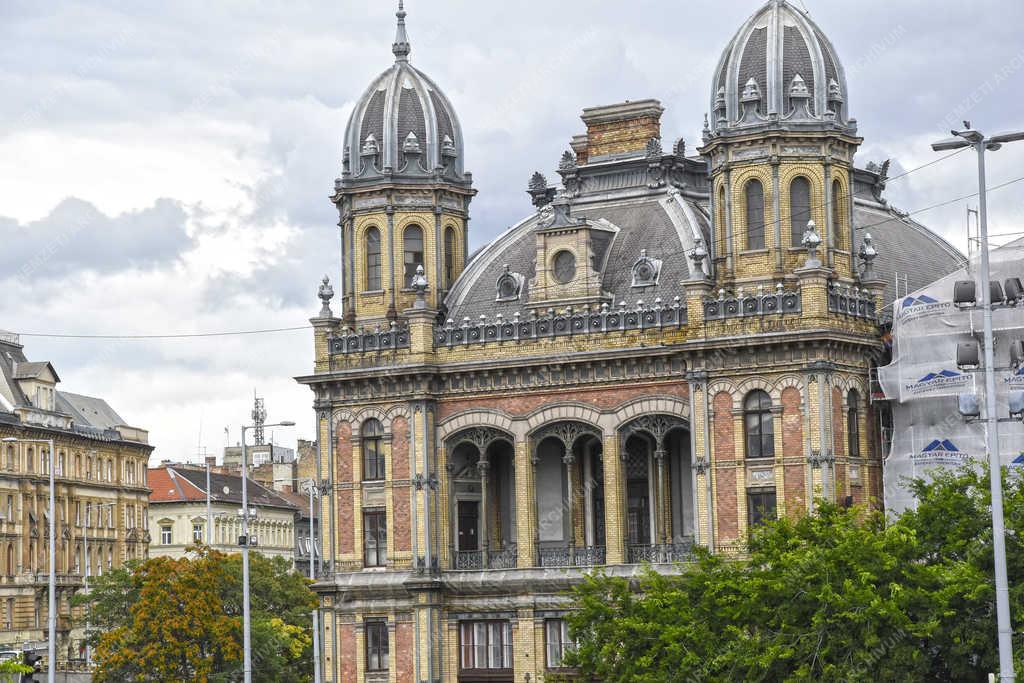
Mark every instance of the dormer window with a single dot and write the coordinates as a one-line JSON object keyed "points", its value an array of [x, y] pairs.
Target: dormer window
{"points": [[646, 270], [509, 285]]}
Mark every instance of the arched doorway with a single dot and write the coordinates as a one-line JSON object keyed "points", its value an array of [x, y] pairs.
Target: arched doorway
{"points": [[659, 489], [569, 495], [482, 512]]}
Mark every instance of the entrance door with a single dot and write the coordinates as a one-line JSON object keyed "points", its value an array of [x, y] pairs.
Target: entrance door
{"points": [[469, 523], [639, 513]]}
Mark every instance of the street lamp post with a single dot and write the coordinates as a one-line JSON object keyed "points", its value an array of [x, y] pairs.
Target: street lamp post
{"points": [[962, 140], [51, 618], [246, 623]]}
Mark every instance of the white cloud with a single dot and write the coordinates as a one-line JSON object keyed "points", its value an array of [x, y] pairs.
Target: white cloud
{"points": [[215, 129]]}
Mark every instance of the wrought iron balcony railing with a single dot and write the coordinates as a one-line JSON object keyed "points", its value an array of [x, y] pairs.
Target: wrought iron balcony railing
{"points": [[566, 556], [660, 554]]}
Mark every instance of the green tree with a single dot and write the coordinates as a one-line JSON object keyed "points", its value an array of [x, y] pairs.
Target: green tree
{"points": [[830, 596], [176, 620]]}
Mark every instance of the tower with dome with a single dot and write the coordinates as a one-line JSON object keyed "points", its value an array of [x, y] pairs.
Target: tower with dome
{"points": [[674, 344]]}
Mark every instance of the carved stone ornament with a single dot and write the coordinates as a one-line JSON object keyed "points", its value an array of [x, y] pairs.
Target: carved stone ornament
{"points": [[480, 437], [566, 432], [811, 241], [646, 270], [509, 286], [326, 293]]}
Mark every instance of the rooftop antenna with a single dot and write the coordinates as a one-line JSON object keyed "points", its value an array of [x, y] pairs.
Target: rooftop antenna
{"points": [[259, 417]]}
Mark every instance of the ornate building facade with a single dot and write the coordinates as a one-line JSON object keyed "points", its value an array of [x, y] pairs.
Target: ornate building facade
{"points": [[100, 491], [672, 346]]}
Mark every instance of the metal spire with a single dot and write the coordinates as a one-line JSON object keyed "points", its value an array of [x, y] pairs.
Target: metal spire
{"points": [[401, 47]]}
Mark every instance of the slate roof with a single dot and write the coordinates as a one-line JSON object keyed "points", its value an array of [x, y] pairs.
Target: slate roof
{"points": [[905, 248], [642, 222], [32, 370], [89, 410]]}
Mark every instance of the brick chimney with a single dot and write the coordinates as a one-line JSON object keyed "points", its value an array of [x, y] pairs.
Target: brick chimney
{"points": [[618, 130]]}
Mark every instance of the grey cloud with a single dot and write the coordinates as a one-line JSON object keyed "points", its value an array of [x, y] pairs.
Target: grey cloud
{"points": [[77, 236]]}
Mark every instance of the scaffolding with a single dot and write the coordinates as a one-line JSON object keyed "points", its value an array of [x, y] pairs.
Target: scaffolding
{"points": [[924, 381]]}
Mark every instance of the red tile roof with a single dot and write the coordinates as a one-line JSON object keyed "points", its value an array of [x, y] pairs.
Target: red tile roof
{"points": [[167, 487]]}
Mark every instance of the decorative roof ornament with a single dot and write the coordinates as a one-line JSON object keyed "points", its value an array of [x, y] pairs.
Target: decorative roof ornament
{"points": [[448, 147], [867, 254], [679, 149], [799, 98], [654, 150], [538, 189], [699, 255], [411, 144], [401, 47], [706, 133], [568, 162], [419, 285], [370, 147], [751, 101], [798, 88], [326, 293], [811, 241]]}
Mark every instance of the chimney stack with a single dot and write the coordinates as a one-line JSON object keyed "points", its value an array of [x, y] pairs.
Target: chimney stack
{"points": [[616, 131]]}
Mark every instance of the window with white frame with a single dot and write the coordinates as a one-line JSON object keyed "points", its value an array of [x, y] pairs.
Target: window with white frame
{"points": [[197, 532], [485, 645], [556, 641], [165, 535]]}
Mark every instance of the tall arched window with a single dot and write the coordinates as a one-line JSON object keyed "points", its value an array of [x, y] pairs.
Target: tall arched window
{"points": [[757, 419], [754, 192], [372, 434], [838, 202], [373, 269], [853, 423], [412, 245], [449, 256], [799, 209]]}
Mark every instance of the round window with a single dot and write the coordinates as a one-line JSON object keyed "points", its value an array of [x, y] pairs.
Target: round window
{"points": [[565, 266]]}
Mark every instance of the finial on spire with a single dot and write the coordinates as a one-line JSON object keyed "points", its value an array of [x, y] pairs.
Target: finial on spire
{"points": [[401, 46]]}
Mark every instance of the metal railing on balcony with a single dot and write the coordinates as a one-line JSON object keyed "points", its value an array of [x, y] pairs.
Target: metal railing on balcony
{"points": [[503, 558], [566, 556], [660, 554]]}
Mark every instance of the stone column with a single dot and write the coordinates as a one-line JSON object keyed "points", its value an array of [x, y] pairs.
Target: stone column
{"points": [[570, 508], [483, 467], [660, 526], [614, 500], [525, 508], [453, 531]]}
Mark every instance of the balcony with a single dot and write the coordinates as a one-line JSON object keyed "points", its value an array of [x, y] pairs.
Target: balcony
{"points": [[571, 556], [505, 558], [660, 554]]}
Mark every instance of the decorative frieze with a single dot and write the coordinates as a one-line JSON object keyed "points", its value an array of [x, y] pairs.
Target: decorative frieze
{"points": [[378, 339]]}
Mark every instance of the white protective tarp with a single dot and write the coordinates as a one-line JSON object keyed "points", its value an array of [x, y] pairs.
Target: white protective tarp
{"points": [[923, 380]]}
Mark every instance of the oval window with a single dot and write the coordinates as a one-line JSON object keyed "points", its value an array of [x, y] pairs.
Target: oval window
{"points": [[565, 266]]}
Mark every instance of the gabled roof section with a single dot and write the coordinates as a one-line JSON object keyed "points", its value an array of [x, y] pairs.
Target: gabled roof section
{"points": [[35, 370], [181, 483]]}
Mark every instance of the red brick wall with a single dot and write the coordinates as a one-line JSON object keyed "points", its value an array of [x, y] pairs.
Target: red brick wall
{"points": [[839, 446], [346, 522], [725, 450], [346, 634], [401, 524], [343, 452], [400, 448], [795, 493], [404, 670], [603, 399]]}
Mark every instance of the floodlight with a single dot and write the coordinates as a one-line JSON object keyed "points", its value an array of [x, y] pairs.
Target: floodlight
{"points": [[969, 405]]}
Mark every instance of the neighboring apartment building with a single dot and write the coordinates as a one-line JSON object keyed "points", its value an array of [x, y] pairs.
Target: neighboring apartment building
{"points": [[101, 496], [177, 513], [673, 345]]}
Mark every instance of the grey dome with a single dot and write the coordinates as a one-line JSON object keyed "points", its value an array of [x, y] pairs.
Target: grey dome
{"points": [[403, 125], [780, 68]]}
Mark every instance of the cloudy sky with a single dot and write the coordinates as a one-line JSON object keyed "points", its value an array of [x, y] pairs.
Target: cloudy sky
{"points": [[165, 166]]}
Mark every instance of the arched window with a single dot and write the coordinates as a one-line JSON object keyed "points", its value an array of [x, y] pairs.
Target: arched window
{"points": [[373, 455], [754, 192], [853, 423], [757, 418], [373, 269], [838, 202], [799, 209], [449, 256], [412, 244]]}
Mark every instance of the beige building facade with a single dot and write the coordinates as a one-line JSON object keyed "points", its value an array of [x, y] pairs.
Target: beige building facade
{"points": [[100, 489]]}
